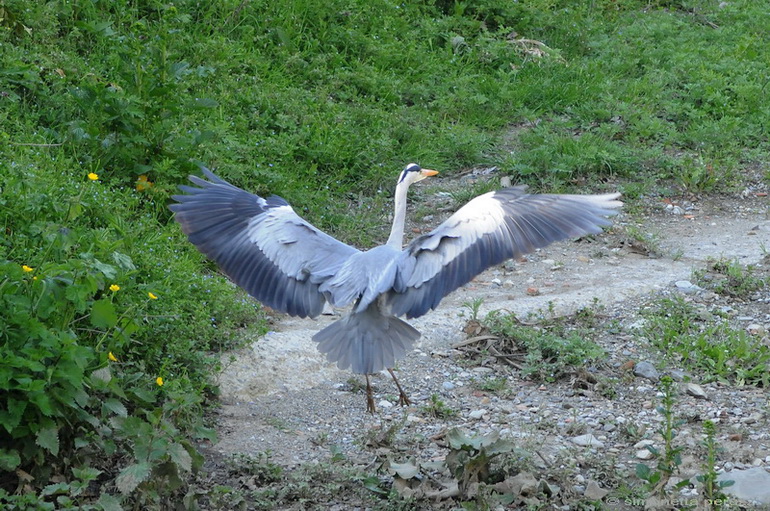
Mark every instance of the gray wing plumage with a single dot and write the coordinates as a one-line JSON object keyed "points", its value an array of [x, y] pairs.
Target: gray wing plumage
{"points": [[261, 244], [490, 229]]}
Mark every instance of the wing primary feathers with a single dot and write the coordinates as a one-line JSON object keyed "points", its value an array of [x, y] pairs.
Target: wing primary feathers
{"points": [[490, 229], [261, 244]]}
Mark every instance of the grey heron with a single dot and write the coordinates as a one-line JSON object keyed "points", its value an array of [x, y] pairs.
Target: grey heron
{"points": [[291, 266]]}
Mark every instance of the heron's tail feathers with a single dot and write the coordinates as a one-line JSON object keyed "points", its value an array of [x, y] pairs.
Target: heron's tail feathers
{"points": [[366, 341]]}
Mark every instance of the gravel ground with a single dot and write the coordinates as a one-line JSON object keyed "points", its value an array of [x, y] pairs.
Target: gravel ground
{"points": [[578, 438]]}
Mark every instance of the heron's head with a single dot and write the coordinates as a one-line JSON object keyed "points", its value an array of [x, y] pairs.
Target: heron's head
{"points": [[413, 173]]}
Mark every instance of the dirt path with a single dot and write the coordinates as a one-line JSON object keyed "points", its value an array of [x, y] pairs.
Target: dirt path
{"points": [[281, 396]]}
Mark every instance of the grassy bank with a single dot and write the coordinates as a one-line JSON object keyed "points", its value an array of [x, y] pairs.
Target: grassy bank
{"points": [[105, 107]]}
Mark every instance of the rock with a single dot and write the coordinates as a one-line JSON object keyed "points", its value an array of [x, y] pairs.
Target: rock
{"points": [[448, 385], [522, 483], [646, 370], [752, 484], [641, 444], [477, 414], [644, 454], [687, 287], [385, 404], [594, 491], [587, 440], [695, 390], [547, 489]]}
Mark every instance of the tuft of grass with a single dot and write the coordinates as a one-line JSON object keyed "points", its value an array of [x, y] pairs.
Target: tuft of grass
{"points": [[709, 345], [730, 278], [492, 384], [437, 408], [549, 351]]}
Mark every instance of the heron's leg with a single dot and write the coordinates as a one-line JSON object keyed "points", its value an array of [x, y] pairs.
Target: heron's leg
{"points": [[369, 399], [403, 399]]}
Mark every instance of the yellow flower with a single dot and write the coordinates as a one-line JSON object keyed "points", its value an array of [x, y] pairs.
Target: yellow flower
{"points": [[93, 177], [142, 183], [111, 357], [114, 288], [159, 381], [27, 269], [152, 296]]}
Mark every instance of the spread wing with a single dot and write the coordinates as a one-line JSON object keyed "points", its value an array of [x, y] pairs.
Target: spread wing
{"points": [[261, 244], [488, 230]]}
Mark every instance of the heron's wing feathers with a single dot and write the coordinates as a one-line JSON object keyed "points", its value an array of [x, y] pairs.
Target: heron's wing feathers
{"points": [[261, 244], [488, 230]]}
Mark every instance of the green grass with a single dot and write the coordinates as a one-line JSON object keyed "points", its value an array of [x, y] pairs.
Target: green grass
{"points": [[322, 104], [730, 278], [550, 350], [706, 344]]}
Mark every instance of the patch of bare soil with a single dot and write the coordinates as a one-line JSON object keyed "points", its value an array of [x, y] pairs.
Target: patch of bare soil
{"points": [[561, 443]]}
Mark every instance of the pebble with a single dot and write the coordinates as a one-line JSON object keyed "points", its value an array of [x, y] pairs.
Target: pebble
{"points": [[687, 287], [587, 440], [594, 492], [695, 390], [477, 414], [448, 385], [644, 454], [752, 484], [646, 370]]}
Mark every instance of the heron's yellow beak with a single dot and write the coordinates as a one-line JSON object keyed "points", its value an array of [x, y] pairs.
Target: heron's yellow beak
{"points": [[429, 172]]}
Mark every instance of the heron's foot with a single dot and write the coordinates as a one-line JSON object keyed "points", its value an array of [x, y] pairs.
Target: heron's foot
{"points": [[403, 399], [369, 398]]}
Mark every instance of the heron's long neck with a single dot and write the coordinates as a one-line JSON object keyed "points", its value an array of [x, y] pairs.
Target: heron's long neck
{"points": [[396, 238]]}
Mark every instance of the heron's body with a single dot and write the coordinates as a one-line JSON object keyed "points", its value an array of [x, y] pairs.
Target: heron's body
{"points": [[291, 266]]}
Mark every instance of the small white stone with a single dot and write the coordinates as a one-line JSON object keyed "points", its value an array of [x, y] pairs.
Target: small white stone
{"points": [[385, 404], [644, 454], [587, 440], [477, 414]]}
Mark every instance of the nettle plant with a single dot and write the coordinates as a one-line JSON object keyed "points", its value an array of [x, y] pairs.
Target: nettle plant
{"points": [[79, 394]]}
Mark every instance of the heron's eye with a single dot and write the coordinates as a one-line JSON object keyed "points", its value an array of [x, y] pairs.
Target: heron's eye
{"points": [[412, 167]]}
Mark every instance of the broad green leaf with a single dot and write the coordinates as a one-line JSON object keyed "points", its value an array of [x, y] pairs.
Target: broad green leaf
{"points": [[42, 401], [123, 261], [86, 473], [9, 459], [406, 470], [10, 419], [103, 375], [109, 502], [107, 270], [103, 314], [115, 406], [48, 438], [180, 456], [132, 476]]}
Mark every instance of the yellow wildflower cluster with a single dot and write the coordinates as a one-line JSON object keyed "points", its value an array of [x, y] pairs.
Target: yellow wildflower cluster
{"points": [[142, 183]]}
